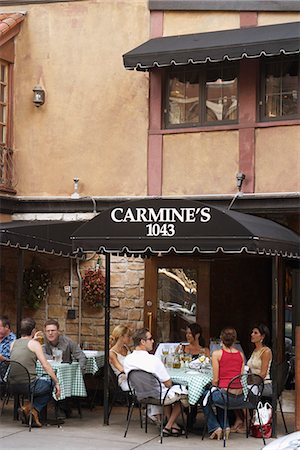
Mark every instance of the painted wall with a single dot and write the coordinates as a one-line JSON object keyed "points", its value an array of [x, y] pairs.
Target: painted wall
{"points": [[94, 122], [199, 22], [200, 163], [277, 148]]}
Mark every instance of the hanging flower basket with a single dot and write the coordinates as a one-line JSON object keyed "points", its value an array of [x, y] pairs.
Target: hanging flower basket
{"points": [[93, 287], [35, 286]]}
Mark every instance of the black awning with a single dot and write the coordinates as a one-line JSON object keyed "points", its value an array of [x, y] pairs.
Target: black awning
{"points": [[270, 40], [154, 226], [52, 237]]}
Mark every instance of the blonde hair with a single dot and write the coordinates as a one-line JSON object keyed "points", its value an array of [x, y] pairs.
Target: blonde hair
{"points": [[118, 331]]}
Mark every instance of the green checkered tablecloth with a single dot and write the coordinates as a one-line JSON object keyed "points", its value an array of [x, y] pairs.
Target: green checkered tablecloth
{"points": [[70, 378], [95, 360], [195, 382]]}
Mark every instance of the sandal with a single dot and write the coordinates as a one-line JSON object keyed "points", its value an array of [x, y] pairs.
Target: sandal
{"points": [[178, 430], [170, 432]]}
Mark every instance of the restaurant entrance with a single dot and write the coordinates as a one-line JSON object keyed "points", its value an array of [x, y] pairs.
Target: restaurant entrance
{"points": [[177, 293]]}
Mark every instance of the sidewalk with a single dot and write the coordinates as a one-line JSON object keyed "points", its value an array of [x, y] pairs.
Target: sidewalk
{"points": [[90, 433]]}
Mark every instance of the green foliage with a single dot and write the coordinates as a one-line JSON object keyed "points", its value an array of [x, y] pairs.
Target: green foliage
{"points": [[35, 285]]}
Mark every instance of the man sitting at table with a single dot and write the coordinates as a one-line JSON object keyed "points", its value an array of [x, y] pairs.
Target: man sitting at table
{"points": [[54, 339], [6, 338], [141, 359], [70, 351]]}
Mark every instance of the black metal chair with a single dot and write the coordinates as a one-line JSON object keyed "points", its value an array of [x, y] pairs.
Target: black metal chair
{"points": [[282, 375], [146, 388], [17, 384], [117, 393], [252, 385]]}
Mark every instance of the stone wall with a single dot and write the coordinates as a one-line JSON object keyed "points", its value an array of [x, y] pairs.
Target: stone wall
{"points": [[127, 295]]}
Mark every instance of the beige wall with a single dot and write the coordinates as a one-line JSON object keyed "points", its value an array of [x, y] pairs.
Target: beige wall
{"points": [[204, 163], [199, 22], [270, 18], [277, 159], [94, 122]]}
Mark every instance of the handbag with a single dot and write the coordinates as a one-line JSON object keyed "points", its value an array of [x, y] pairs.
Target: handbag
{"points": [[265, 415]]}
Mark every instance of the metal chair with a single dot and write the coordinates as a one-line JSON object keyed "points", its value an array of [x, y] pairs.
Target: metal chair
{"points": [[118, 392], [17, 384], [146, 388], [283, 372], [252, 386]]}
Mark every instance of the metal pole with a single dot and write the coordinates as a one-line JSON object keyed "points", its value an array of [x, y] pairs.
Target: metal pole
{"points": [[275, 271], [296, 294], [106, 341], [19, 290]]}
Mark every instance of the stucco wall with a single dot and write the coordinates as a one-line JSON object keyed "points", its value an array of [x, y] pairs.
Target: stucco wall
{"points": [[199, 22], [277, 159], [94, 122], [270, 18], [204, 163]]}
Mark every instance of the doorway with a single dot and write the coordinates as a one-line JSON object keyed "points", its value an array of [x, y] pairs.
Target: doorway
{"points": [[177, 293]]}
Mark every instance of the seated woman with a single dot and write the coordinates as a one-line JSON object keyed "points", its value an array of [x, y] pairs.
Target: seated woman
{"points": [[227, 363], [261, 358], [196, 344], [119, 341]]}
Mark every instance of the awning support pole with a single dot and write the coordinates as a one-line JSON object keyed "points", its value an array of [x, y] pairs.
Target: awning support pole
{"points": [[106, 341], [296, 293], [275, 272], [19, 289]]}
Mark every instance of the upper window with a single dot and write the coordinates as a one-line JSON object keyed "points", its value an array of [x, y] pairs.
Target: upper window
{"points": [[202, 96], [280, 89]]}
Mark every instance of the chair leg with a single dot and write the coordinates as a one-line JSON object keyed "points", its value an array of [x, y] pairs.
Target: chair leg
{"points": [[129, 419], [184, 421], [224, 427], [260, 427], [141, 415], [146, 419], [282, 415]]}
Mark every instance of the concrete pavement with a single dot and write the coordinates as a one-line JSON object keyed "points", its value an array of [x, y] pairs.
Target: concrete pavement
{"points": [[90, 433]]}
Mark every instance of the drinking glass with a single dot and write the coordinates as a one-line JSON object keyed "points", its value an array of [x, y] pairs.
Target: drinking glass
{"points": [[165, 351], [57, 355]]}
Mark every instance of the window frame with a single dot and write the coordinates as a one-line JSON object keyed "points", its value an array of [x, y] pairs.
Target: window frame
{"points": [[261, 114], [202, 72]]}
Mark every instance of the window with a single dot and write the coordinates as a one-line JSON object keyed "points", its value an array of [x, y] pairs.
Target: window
{"points": [[202, 96], [280, 89]]}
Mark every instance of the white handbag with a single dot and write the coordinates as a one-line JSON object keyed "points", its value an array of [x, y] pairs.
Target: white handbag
{"points": [[265, 414]]}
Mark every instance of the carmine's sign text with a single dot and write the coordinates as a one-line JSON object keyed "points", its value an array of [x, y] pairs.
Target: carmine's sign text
{"points": [[162, 221]]}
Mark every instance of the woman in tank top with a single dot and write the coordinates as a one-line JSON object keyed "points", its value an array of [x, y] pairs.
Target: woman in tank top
{"points": [[261, 358], [227, 363], [119, 341], [196, 344]]}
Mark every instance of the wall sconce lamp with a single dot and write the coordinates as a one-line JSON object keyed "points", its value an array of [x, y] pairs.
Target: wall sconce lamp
{"points": [[38, 96], [239, 180]]}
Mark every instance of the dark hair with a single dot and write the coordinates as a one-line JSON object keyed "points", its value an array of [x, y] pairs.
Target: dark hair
{"points": [[228, 336], [5, 321], [264, 330], [27, 325], [138, 335], [196, 329], [51, 322]]}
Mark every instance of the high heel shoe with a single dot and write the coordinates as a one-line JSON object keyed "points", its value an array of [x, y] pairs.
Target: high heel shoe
{"points": [[217, 434], [227, 433]]}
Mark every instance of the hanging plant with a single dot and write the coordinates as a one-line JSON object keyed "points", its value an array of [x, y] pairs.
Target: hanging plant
{"points": [[93, 287], [35, 285]]}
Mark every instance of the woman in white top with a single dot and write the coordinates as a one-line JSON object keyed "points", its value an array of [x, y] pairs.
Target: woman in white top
{"points": [[261, 358], [119, 348]]}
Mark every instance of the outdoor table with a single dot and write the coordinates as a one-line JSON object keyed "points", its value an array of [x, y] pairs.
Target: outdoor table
{"points": [[70, 378], [95, 360], [194, 380]]}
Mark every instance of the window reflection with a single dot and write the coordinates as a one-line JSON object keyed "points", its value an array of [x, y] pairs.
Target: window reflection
{"points": [[184, 98], [281, 88], [177, 300], [221, 93]]}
